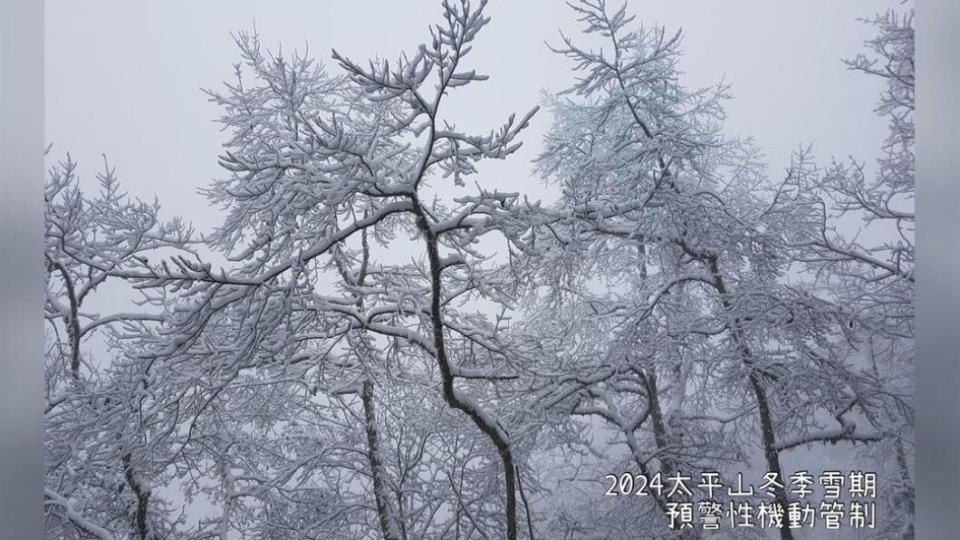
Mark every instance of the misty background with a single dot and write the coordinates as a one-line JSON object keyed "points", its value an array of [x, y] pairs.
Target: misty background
{"points": [[123, 79]]}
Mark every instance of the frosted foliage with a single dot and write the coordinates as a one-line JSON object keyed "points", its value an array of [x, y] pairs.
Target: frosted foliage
{"points": [[677, 309]]}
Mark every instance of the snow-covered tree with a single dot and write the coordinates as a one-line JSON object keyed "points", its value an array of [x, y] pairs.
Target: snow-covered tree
{"points": [[677, 236], [95, 481], [870, 271], [323, 171], [388, 352]]}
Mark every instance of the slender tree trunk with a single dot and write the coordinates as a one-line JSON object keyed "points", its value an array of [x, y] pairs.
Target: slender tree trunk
{"points": [[526, 505], [227, 508], [649, 378], [662, 442], [73, 322], [492, 431], [660, 436], [656, 417], [139, 519], [388, 524], [388, 520], [906, 493], [770, 452]]}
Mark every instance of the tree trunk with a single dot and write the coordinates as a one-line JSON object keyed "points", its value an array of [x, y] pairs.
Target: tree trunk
{"points": [[493, 432], [139, 519], [388, 523], [770, 452]]}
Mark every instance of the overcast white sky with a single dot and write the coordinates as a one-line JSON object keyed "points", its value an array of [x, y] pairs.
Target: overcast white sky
{"points": [[123, 78]]}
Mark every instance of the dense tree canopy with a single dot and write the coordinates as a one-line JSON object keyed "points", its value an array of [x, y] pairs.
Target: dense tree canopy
{"points": [[692, 310]]}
